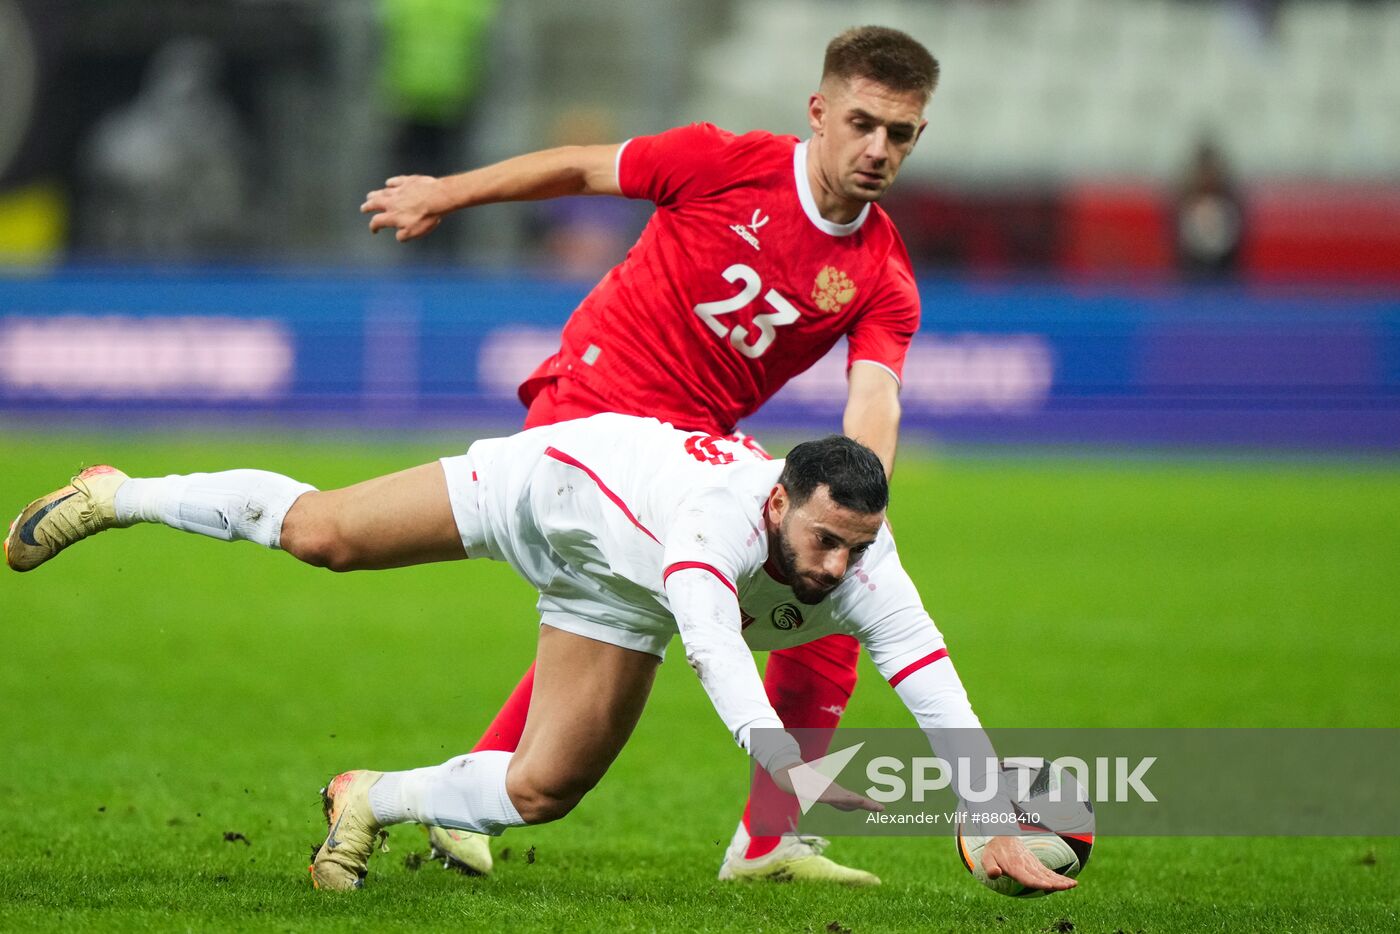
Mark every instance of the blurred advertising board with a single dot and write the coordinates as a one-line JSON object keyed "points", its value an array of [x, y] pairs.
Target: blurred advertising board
{"points": [[1020, 362]]}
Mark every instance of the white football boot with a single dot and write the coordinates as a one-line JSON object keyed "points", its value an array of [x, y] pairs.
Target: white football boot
{"points": [[468, 853], [798, 858], [51, 523]]}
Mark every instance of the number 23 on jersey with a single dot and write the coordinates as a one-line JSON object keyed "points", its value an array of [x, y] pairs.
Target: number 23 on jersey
{"points": [[745, 341]]}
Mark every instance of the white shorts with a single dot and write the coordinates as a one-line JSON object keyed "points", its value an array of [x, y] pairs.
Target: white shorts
{"points": [[490, 490]]}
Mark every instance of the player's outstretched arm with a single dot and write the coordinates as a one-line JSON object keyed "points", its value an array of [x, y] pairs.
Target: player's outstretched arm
{"points": [[790, 780], [414, 205], [873, 411], [707, 615], [935, 696]]}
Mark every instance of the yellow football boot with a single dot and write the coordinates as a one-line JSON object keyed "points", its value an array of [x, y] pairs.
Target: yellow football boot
{"points": [[70, 514], [797, 858], [462, 850], [342, 862]]}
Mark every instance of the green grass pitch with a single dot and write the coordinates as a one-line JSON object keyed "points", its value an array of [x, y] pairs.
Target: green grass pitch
{"points": [[170, 705]]}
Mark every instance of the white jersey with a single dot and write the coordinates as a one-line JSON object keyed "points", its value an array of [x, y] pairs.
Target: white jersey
{"points": [[632, 530]]}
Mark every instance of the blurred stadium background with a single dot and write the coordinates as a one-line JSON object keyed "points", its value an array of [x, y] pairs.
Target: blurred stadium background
{"points": [[1160, 221]]}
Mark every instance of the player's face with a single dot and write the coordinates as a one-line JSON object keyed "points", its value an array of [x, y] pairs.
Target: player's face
{"points": [[817, 542], [862, 131]]}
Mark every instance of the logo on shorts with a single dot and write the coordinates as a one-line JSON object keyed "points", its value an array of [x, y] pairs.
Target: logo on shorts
{"points": [[749, 231], [786, 617], [833, 289]]}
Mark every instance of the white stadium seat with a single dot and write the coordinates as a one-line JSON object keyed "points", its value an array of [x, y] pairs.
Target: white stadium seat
{"points": [[1094, 87]]}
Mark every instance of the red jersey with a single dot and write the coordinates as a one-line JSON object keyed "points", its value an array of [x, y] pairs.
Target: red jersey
{"points": [[736, 285]]}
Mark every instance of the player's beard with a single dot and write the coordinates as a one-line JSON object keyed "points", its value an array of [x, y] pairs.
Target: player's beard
{"points": [[803, 587]]}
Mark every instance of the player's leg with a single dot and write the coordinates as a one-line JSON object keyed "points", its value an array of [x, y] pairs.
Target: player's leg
{"points": [[588, 697], [556, 400], [404, 518], [464, 850], [808, 686], [398, 520], [232, 505], [505, 729]]}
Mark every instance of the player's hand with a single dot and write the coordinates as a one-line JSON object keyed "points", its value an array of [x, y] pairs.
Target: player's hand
{"points": [[1009, 856], [409, 203], [834, 795]]}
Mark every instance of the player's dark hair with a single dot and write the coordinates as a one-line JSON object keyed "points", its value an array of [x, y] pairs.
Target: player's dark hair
{"points": [[887, 56], [853, 475]]}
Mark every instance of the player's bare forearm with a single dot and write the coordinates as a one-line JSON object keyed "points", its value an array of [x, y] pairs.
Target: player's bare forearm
{"points": [[414, 205], [549, 173], [833, 794], [873, 411]]}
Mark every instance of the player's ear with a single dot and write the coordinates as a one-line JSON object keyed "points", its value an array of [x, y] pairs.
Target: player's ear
{"points": [[816, 112], [920, 131], [778, 503]]}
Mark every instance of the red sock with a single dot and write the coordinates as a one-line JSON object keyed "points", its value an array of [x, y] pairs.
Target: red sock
{"points": [[503, 734], [808, 685]]}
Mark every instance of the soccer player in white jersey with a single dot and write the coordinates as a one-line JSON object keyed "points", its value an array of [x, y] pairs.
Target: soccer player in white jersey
{"points": [[632, 531]]}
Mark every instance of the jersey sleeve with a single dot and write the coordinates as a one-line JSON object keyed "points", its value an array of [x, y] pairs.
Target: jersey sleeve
{"points": [[884, 612], [889, 619], [712, 531], [710, 545], [707, 617], [882, 333], [670, 167]]}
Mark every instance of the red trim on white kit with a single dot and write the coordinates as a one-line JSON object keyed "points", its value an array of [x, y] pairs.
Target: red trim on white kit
{"points": [[617, 500]]}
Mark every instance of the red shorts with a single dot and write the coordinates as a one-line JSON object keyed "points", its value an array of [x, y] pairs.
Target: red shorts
{"points": [[563, 399]]}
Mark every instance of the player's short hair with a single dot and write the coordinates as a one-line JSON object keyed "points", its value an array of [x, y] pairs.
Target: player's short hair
{"points": [[887, 56], [853, 475]]}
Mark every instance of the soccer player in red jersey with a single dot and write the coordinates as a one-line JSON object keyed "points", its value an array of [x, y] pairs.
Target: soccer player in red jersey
{"points": [[762, 253]]}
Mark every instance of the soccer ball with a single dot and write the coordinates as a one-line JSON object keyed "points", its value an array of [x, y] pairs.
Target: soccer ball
{"points": [[1055, 826]]}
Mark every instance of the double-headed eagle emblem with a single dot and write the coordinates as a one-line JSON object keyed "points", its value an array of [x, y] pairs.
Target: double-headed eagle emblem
{"points": [[833, 289]]}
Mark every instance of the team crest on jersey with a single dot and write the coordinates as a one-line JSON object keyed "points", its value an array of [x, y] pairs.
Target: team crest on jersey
{"points": [[833, 290], [786, 617]]}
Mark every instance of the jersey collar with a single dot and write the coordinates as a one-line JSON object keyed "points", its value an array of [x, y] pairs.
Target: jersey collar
{"points": [[809, 203]]}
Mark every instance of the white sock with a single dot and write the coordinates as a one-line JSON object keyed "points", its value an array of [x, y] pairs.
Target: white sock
{"points": [[464, 793], [232, 505]]}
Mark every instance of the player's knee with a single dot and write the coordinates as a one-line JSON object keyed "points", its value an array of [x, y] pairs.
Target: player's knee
{"points": [[541, 799], [315, 539], [537, 807]]}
